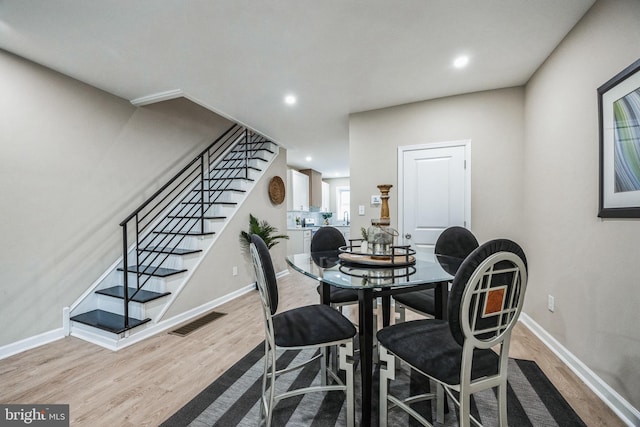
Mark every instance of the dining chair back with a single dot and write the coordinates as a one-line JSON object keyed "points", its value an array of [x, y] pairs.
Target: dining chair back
{"points": [[455, 242]]}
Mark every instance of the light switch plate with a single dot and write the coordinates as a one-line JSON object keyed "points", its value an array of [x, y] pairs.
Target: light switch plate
{"points": [[361, 210]]}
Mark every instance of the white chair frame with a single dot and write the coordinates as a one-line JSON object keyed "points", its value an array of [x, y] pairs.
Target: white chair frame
{"points": [[268, 398]]}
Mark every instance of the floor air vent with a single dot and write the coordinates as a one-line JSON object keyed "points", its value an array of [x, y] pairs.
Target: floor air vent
{"points": [[198, 323]]}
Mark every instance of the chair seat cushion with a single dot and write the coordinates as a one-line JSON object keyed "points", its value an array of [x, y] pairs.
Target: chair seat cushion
{"points": [[429, 346], [311, 325], [423, 300], [340, 295]]}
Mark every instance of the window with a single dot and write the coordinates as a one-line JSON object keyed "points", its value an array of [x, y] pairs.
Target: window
{"points": [[343, 202]]}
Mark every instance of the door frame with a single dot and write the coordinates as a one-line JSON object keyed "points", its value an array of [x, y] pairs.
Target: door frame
{"points": [[466, 143]]}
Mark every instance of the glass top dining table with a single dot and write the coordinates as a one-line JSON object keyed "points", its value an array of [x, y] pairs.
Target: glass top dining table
{"points": [[371, 280]]}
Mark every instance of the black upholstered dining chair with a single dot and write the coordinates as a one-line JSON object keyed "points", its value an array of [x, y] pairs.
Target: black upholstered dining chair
{"points": [[327, 239], [310, 327], [458, 354], [454, 242]]}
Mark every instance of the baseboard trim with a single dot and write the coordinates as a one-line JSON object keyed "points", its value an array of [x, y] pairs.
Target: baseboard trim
{"points": [[31, 342], [618, 404], [115, 345]]}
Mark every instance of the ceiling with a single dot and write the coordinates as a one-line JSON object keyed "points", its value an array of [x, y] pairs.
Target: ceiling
{"points": [[240, 58]]}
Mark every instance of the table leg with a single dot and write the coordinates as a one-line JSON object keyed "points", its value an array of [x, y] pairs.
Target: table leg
{"points": [[325, 293], [365, 334], [441, 299], [386, 311]]}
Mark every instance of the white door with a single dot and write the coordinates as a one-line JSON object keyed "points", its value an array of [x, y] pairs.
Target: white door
{"points": [[434, 191]]}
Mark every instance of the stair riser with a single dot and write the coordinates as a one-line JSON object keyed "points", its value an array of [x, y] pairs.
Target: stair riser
{"points": [[177, 262], [116, 305]]}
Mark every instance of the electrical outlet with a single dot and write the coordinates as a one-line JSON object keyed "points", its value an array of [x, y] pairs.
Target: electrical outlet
{"points": [[551, 303], [235, 270]]}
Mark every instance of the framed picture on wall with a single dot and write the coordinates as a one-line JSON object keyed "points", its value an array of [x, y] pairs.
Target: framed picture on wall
{"points": [[619, 110]]}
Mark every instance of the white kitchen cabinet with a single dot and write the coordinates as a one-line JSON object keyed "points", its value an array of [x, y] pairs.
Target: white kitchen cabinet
{"points": [[299, 241], [298, 191], [326, 195]]}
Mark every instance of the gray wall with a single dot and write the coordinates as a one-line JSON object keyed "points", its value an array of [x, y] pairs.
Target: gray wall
{"points": [[492, 120], [589, 265], [534, 154], [74, 161]]}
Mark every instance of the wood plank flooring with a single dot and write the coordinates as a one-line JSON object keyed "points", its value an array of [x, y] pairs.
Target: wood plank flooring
{"points": [[144, 384]]}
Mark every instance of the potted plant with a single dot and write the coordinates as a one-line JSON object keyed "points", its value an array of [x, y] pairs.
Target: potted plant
{"points": [[326, 216], [267, 232]]}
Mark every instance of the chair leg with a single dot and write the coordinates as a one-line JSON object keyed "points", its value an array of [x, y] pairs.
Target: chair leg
{"points": [[465, 413], [502, 403], [323, 365], [346, 364], [265, 374], [387, 372], [270, 359], [400, 310], [440, 400]]}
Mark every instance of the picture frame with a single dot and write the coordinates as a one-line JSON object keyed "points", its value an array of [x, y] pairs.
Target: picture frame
{"points": [[619, 126]]}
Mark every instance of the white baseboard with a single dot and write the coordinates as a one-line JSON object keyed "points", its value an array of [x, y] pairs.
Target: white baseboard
{"points": [[617, 403], [111, 343], [31, 342]]}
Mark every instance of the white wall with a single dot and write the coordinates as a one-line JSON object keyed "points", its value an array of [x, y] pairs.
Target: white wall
{"points": [[74, 162], [591, 266]]}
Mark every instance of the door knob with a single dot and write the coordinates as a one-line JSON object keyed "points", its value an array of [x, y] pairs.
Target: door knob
{"points": [[407, 236]]}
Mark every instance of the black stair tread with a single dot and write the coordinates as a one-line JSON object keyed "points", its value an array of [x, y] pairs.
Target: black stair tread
{"points": [[142, 295], [195, 216], [240, 168], [229, 178], [170, 250], [210, 203], [222, 190], [187, 233], [244, 150], [107, 321], [153, 271], [241, 157]]}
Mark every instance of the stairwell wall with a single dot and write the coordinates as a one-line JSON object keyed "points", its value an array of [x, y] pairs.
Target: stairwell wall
{"points": [[214, 277], [75, 161]]}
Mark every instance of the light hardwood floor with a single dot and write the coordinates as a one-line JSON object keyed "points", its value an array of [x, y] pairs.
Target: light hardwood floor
{"points": [[144, 384]]}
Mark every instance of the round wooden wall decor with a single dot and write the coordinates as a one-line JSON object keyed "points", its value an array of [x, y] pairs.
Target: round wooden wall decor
{"points": [[276, 190]]}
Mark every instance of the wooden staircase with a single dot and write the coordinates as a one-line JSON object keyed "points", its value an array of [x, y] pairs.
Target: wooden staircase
{"points": [[168, 236]]}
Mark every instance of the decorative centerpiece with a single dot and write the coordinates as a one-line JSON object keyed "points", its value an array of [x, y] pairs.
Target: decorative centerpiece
{"points": [[380, 235]]}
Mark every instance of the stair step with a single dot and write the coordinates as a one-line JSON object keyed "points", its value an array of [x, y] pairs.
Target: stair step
{"points": [[230, 178], [222, 190], [142, 295], [107, 321], [195, 216], [170, 250], [152, 271], [244, 150], [186, 233], [211, 203], [239, 168]]}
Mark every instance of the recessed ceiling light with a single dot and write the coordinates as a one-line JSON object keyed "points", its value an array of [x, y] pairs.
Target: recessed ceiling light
{"points": [[461, 61], [308, 158], [290, 99]]}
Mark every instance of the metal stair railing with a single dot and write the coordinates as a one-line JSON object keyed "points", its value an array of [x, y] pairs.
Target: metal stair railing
{"points": [[178, 209]]}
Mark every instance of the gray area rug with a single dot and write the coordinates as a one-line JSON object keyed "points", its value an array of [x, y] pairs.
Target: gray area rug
{"points": [[232, 400]]}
